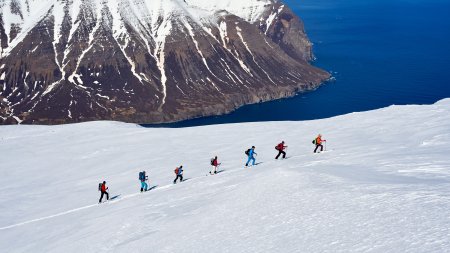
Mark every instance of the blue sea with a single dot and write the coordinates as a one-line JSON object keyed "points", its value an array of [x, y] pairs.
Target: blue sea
{"points": [[380, 53]]}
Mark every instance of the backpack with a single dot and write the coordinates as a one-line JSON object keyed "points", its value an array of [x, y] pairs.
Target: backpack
{"points": [[100, 187], [276, 147], [212, 161], [176, 171], [314, 141], [247, 152], [141, 175]]}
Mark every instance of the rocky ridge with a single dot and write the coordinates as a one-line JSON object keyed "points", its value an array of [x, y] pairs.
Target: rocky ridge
{"points": [[147, 61]]}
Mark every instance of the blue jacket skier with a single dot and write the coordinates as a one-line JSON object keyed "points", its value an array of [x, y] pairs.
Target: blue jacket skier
{"points": [[143, 178], [179, 172], [251, 156]]}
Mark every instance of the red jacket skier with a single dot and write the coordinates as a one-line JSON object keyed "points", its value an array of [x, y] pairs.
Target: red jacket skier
{"points": [[281, 147], [215, 163], [103, 191]]}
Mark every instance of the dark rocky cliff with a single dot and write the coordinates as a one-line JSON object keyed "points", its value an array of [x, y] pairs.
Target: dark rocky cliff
{"points": [[72, 69]]}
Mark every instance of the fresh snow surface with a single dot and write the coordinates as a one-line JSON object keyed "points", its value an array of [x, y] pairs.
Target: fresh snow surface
{"points": [[382, 186]]}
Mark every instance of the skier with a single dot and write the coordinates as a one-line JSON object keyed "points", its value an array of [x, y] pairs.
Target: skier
{"points": [[215, 163], [143, 178], [318, 141], [251, 155], [280, 147], [179, 172], [103, 191]]}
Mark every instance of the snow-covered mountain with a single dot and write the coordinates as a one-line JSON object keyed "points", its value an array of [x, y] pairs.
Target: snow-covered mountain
{"points": [[382, 186], [147, 60]]}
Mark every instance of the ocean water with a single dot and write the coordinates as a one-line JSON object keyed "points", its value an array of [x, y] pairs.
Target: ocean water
{"points": [[380, 52]]}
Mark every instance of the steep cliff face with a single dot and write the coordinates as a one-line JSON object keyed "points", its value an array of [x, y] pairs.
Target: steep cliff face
{"points": [[148, 60]]}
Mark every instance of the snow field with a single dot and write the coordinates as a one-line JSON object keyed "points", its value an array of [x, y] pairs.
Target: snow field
{"points": [[382, 186]]}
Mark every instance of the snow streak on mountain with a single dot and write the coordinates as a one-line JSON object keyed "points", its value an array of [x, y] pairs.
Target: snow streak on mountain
{"points": [[147, 60]]}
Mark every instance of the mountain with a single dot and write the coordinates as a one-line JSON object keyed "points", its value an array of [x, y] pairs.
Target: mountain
{"points": [[382, 186], [147, 60]]}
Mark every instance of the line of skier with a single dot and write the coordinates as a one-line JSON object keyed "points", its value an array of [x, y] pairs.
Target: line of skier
{"points": [[143, 178]]}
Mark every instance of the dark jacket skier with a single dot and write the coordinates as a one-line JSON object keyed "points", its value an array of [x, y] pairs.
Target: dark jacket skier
{"points": [[143, 178]]}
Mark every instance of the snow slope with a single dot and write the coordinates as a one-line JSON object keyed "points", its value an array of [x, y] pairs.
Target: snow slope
{"points": [[383, 186]]}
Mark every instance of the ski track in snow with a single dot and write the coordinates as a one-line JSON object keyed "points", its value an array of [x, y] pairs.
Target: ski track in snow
{"points": [[72, 211], [48, 217], [119, 199]]}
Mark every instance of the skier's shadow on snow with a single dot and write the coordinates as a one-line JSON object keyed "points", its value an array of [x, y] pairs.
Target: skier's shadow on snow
{"points": [[115, 197], [186, 179], [151, 188], [220, 171]]}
